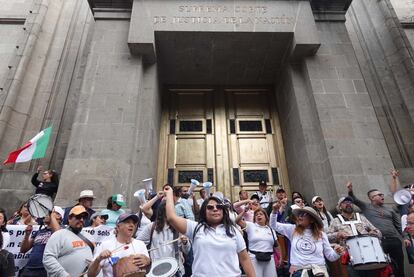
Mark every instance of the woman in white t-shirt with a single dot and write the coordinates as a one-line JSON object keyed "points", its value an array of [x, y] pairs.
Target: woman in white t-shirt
{"points": [[309, 244], [262, 240], [218, 246]]}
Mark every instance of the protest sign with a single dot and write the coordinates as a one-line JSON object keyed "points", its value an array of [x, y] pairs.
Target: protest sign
{"points": [[100, 233], [16, 237]]}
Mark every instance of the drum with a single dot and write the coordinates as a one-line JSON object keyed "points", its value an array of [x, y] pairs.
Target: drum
{"points": [[125, 267], [365, 253], [40, 205], [165, 267]]}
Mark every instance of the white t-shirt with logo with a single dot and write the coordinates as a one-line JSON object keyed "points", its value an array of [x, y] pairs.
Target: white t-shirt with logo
{"points": [[215, 253], [305, 250], [133, 248]]}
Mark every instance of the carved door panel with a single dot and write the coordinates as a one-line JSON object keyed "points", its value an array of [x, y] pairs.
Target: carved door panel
{"points": [[190, 139], [251, 138]]}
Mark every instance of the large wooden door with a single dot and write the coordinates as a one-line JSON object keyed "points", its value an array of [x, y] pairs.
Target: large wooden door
{"points": [[230, 137]]}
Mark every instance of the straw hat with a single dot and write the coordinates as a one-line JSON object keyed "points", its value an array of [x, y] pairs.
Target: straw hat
{"points": [[311, 212]]}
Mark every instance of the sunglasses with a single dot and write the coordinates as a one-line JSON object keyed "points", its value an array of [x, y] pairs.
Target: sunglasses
{"points": [[81, 216], [212, 207]]}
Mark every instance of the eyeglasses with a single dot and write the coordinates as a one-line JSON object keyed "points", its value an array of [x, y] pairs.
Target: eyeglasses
{"points": [[298, 201], [212, 207]]}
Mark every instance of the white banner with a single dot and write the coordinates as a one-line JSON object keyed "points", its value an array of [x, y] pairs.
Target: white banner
{"points": [[16, 237], [100, 233]]}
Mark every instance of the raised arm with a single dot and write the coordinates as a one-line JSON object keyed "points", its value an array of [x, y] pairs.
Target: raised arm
{"points": [[27, 242], [362, 205], [240, 221], [178, 223], [147, 207], [394, 180]]}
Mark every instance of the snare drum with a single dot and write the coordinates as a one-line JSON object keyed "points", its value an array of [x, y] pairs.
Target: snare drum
{"points": [[365, 253], [40, 205], [166, 267], [125, 267]]}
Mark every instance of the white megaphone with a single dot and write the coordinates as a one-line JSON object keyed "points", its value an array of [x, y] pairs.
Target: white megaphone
{"points": [[207, 186], [148, 185], [194, 184], [402, 197], [140, 195]]}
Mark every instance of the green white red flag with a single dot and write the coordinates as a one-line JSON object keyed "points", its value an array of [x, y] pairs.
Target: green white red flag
{"points": [[34, 149]]}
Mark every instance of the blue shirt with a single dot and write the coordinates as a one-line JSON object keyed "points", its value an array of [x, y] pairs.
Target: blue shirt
{"points": [[183, 209], [40, 239]]}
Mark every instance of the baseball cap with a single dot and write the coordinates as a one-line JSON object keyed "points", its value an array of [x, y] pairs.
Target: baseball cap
{"points": [[118, 199], [125, 216], [262, 183], [77, 210], [95, 215], [59, 210], [345, 198], [86, 194], [316, 198]]}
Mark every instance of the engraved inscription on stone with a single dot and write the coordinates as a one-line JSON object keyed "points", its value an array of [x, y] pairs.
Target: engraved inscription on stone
{"points": [[221, 14]]}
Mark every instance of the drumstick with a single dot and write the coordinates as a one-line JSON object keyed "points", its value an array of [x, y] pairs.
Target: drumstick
{"points": [[164, 244], [120, 248]]}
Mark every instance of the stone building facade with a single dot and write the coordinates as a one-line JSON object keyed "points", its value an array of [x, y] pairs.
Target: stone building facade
{"points": [[303, 94]]}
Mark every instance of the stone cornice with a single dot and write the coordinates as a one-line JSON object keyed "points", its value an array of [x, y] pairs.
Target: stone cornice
{"points": [[330, 5]]}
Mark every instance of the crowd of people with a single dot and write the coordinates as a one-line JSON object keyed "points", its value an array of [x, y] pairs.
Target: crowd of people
{"points": [[205, 234]]}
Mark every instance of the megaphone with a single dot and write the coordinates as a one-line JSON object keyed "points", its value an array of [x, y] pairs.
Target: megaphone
{"points": [[148, 184], [140, 195], [207, 186], [194, 184], [402, 197]]}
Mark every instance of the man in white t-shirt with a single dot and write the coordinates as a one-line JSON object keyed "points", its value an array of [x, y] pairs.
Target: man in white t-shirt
{"points": [[112, 250]]}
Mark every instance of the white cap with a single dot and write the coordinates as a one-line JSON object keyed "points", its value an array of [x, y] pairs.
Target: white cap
{"points": [[59, 210], [86, 194], [314, 198]]}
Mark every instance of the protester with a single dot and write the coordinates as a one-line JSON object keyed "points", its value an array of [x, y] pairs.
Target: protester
{"points": [[348, 224], [113, 209], [325, 215], [309, 244], [265, 197], [69, 251], [387, 221], [85, 199], [182, 207], [157, 234], [247, 207], [262, 241], [98, 219], [7, 267], [3, 229], [203, 196], [410, 232], [216, 240], [109, 253], [22, 217], [37, 242], [191, 199], [298, 203], [49, 183]]}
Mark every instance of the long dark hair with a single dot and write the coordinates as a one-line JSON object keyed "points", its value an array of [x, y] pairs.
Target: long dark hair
{"points": [[324, 211], [109, 203], [55, 176], [202, 221], [161, 218], [1, 240]]}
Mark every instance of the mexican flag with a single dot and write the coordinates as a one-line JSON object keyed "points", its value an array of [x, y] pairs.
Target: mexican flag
{"points": [[34, 149]]}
